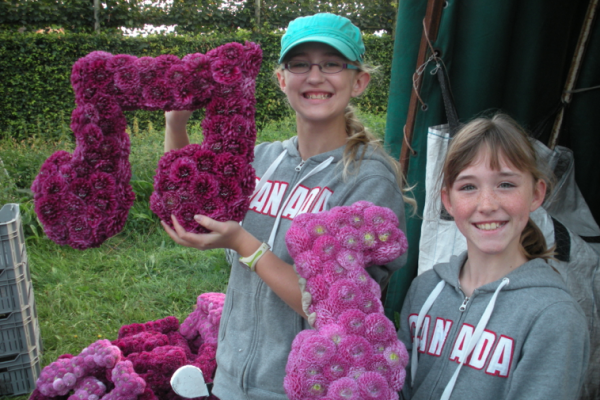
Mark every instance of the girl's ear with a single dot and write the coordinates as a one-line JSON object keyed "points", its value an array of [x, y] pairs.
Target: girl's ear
{"points": [[281, 80], [361, 81], [539, 193], [446, 201]]}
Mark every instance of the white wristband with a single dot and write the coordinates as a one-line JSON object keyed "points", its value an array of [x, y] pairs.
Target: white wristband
{"points": [[252, 260]]}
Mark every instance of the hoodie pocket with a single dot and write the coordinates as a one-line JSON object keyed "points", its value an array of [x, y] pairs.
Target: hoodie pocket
{"points": [[235, 334]]}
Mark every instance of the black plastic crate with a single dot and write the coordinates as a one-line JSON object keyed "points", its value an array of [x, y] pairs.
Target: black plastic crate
{"points": [[19, 372], [12, 239], [15, 288]]}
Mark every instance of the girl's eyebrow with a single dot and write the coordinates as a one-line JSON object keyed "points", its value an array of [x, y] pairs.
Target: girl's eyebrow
{"points": [[503, 174]]}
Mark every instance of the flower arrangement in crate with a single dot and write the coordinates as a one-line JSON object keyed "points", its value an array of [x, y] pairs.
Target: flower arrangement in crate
{"points": [[354, 352], [84, 198], [140, 363]]}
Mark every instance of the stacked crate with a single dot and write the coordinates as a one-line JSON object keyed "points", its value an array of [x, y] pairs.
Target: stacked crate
{"points": [[19, 327]]}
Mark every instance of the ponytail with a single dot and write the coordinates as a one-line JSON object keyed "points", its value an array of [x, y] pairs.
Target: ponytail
{"points": [[533, 243]]}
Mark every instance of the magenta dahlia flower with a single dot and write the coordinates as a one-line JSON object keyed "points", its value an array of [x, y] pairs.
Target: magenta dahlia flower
{"points": [[105, 85]]}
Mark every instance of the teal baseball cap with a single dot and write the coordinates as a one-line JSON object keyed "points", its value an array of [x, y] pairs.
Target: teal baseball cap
{"points": [[338, 32]]}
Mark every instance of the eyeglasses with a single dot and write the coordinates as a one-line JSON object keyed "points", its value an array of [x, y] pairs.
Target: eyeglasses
{"points": [[327, 67]]}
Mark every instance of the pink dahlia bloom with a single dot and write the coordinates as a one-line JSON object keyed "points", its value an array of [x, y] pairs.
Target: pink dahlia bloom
{"points": [[226, 72], [229, 165], [104, 86], [196, 62], [336, 368], [373, 386], [157, 95], [315, 388], [146, 67], [318, 287], [337, 218], [379, 328], [316, 350], [350, 239], [370, 304], [205, 160], [397, 378], [183, 170], [49, 210], [301, 337], [325, 247], [379, 215], [53, 185], [333, 332], [356, 350], [344, 389], [119, 61], [387, 252], [293, 385], [350, 260], [252, 59], [185, 216], [299, 242], [232, 52], [333, 271], [353, 322], [344, 294]]}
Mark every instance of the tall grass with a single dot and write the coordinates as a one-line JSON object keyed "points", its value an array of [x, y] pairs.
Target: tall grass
{"points": [[136, 276]]}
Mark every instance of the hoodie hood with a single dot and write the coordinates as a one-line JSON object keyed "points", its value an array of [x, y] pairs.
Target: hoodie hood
{"points": [[533, 273]]}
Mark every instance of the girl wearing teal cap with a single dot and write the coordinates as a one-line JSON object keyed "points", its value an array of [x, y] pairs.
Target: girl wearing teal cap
{"points": [[333, 161]]}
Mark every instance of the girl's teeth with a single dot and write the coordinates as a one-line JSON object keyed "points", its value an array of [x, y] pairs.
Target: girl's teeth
{"points": [[317, 96], [488, 227]]}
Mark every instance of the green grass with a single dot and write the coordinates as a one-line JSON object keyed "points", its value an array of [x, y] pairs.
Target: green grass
{"points": [[136, 276]]}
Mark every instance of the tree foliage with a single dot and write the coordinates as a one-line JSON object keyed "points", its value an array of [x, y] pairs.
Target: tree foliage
{"points": [[190, 16]]}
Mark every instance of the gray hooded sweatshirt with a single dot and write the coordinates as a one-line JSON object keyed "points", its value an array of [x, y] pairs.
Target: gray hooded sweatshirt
{"points": [[535, 344], [257, 327]]}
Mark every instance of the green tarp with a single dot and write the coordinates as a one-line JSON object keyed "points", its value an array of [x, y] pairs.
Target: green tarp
{"points": [[510, 55]]}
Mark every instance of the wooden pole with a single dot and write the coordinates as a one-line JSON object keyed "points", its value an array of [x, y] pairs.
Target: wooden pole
{"points": [[257, 15], [582, 42], [433, 16], [97, 15]]}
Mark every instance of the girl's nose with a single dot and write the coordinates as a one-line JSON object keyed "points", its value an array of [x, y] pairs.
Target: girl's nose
{"points": [[488, 201], [315, 75]]}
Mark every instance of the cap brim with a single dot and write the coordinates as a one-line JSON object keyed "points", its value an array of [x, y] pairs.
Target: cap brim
{"points": [[333, 42]]}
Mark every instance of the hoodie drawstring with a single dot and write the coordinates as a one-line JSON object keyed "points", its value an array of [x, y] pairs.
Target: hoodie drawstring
{"points": [[470, 346], [318, 168], [414, 362], [268, 174], [474, 339]]}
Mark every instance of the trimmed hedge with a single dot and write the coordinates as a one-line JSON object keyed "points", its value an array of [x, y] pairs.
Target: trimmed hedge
{"points": [[37, 98]]}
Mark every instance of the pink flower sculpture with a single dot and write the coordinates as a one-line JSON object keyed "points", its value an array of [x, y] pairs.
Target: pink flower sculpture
{"points": [[354, 353], [84, 198], [139, 364], [202, 325]]}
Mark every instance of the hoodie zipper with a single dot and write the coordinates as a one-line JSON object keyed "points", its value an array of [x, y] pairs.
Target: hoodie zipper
{"points": [[463, 306], [299, 166]]}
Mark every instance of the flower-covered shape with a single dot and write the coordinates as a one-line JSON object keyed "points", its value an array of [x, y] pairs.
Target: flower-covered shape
{"points": [[84, 198], [139, 364], [354, 352], [202, 325]]}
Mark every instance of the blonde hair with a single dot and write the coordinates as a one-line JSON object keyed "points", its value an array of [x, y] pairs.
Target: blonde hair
{"points": [[503, 137]]}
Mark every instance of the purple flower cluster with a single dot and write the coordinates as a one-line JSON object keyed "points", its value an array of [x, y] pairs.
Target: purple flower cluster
{"points": [[70, 373], [354, 353], [136, 366], [215, 178], [202, 325], [84, 198]]}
